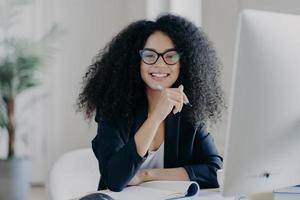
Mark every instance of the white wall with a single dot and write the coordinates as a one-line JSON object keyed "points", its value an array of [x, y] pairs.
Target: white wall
{"points": [[191, 9], [88, 26], [156, 7], [219, 20]]}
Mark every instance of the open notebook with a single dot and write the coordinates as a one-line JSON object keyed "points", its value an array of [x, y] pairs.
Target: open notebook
{"points": [[156, 190]]}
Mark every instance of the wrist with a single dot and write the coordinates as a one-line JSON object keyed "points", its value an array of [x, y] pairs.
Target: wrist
{"points": [[154, 119]]}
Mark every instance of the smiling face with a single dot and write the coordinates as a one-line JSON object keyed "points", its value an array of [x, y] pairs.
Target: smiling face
{"points": [[159, 73]]}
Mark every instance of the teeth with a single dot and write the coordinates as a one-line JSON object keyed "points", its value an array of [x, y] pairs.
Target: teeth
{"points": [[159, 75]]}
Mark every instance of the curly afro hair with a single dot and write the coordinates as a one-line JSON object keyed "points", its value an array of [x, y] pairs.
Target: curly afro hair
{"points": [[113, 84]]}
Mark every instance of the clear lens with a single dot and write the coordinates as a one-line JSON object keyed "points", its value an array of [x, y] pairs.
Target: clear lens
{"points": [[171, 57], [149, 56]]}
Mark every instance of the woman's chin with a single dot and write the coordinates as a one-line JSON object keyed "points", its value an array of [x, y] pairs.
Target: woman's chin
{"points": [[158, 85]]}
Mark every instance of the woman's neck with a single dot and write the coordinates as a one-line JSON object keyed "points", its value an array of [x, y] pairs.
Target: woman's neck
{"points": [[152, 97]]}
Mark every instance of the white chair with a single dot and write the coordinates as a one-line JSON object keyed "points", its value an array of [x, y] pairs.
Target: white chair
{"points": [[73, 175]]}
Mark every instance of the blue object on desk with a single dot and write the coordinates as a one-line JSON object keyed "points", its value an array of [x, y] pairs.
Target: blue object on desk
{"points": [[96, 196], [193, 189]]}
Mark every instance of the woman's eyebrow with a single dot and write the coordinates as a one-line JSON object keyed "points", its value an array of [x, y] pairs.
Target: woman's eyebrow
{"points": [[170, 49]]}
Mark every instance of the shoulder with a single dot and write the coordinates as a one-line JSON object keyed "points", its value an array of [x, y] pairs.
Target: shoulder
{"points": [[103, 121]]}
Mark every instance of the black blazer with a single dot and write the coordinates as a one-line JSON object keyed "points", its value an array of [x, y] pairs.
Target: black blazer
{"points": [[184, 145]]}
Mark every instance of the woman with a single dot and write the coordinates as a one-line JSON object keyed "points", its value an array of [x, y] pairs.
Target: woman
{"points": [[154, 87]]}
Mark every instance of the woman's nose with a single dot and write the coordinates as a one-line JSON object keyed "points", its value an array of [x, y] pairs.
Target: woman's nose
{"points": [[160, 62]]}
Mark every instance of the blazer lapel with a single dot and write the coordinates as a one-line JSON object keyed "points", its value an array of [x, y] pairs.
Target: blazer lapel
{"points": [[171, 140], [140, 116]]}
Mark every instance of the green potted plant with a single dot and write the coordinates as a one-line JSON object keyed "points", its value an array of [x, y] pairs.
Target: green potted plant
{"points": [[20, 59], [17, 69]]}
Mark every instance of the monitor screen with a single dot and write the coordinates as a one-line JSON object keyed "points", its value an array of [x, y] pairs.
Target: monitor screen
{"points": [[262, 150]]}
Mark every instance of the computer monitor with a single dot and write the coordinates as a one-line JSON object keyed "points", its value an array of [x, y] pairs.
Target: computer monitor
{"points": [[262, 150]]}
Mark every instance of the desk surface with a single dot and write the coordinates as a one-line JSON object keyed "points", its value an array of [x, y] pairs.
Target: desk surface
{"points": [[212, 194], [215, 194], [207, 194]]}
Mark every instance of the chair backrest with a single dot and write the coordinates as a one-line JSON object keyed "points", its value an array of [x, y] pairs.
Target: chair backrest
{"points": [[73, 175]]}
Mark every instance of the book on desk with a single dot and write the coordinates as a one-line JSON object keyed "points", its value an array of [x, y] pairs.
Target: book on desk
{"points": [[156, 190]]}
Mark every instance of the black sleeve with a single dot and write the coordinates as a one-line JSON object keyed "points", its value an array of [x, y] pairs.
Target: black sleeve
{"points": [[206, 161], [118, 160]]}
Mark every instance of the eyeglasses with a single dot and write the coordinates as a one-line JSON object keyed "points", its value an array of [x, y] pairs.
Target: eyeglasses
{"points": [[150, 56]]}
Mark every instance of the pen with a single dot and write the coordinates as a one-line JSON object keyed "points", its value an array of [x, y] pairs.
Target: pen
{"points": [[188, 104]]}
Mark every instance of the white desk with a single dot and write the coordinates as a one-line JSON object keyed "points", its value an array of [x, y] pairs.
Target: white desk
{"points": [[211, 194], [208, 194]]}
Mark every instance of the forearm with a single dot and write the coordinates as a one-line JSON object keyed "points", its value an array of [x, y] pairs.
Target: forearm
{"points": [[204, 174], [145, 135], [109, 163], [169, 174]]}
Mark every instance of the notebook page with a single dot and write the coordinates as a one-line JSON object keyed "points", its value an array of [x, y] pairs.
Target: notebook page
{"points": [[139, 192], [182, 188]]}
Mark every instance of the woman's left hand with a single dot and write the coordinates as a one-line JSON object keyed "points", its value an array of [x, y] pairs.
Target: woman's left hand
{"points": [[139, 178]]}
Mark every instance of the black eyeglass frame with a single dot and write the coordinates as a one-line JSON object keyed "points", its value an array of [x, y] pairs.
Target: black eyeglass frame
{"points": [[159, 55]]}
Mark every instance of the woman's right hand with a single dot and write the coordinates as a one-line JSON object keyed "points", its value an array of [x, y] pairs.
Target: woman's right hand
{"points": [[170, 99]]}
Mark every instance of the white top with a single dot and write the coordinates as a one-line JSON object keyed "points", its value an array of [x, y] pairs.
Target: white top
{"points": [[155, 159]]}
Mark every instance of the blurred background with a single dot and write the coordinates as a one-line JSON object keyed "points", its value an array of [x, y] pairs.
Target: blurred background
{"points": [[66, 35]]}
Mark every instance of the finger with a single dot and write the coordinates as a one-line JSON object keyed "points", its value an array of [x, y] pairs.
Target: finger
{"points": [[177, 106], [185, 99], [177, 96], [173, 94], [174, 90], [181, 103], [174, 105], [181, 97], [179, 89]]}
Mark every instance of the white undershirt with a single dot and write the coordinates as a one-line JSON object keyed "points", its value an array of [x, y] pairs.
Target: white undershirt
{"points": [[155, 159]]}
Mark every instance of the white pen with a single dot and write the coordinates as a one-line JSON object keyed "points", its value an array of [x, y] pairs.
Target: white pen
{"points": [[159, 87]]}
